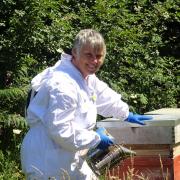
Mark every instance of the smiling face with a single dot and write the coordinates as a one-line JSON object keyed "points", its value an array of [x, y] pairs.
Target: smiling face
{"points": [[88, 60], [88, 51]]}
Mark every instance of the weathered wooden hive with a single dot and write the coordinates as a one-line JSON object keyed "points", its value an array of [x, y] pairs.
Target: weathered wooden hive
{"points": [[157, 145]]}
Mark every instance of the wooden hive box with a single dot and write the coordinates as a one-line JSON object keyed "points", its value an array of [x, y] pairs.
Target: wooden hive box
{"points": [[157, 145]]}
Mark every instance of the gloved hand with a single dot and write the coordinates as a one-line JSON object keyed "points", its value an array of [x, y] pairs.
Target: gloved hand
{"points": [[137, 118], [106, 140]]}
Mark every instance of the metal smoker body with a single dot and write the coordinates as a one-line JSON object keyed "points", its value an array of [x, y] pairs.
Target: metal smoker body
{"points": [[102, 160]]}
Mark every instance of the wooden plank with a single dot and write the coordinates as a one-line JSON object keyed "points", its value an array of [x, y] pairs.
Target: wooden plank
{"points": [[177, 134], [176, 163], [157, 121], [151, 149], [154, 152], [170, 111], [143, 167], [176, 150], [143, 135]]}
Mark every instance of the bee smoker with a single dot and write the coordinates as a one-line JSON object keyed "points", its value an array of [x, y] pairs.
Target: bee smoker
{"points": [[102, 160]]}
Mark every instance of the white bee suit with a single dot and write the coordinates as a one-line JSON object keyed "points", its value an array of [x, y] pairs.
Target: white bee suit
{"points": [[61, 117]]}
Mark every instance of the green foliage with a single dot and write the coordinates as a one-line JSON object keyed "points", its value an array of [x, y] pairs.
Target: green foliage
{"points": [[142, 63], [11, 116], [13, 100], [136, 63], [8, 166], [15, 120], [32, 32]]}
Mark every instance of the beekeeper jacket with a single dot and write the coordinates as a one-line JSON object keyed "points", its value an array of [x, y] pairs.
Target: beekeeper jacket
{"points": [[61, 117]]}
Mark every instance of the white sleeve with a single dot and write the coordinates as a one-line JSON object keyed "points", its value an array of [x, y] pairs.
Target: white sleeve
{"points": [[59, 120], [109, 103]]}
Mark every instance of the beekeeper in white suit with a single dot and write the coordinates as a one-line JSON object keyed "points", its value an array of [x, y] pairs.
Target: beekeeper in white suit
{"points": [[65, 101]]}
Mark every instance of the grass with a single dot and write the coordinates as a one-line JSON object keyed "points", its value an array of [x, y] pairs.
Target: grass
{"points": [[10, 169]]}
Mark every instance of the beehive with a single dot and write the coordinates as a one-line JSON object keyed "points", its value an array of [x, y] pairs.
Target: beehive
{"points": [[157, 145]]}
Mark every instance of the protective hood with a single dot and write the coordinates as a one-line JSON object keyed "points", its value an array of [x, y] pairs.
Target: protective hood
{"points": [[41, 78]]}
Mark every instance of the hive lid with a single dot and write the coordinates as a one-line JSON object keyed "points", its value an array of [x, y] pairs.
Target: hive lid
{"points": [[162, 117]]}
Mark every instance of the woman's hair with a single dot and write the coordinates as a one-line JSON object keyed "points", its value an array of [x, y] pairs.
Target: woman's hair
{"points": [[91, 38]]}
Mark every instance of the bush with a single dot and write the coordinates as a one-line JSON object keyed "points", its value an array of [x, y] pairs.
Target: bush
{"points": [[142, 62]]}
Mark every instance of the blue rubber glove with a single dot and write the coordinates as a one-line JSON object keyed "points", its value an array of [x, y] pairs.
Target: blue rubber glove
{"points": [[106, 140], [137, 118]]}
